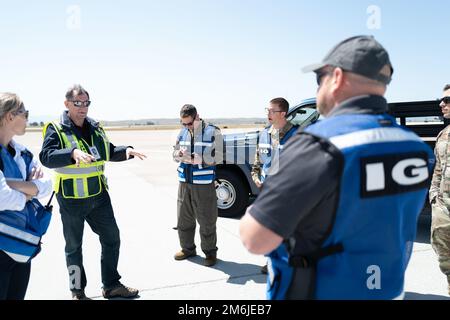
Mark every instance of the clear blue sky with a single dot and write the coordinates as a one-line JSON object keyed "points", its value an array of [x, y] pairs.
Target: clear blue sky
{"points": [[228, 57]]}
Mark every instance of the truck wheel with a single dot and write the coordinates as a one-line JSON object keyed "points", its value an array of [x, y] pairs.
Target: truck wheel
{"points": [[232, 194]]}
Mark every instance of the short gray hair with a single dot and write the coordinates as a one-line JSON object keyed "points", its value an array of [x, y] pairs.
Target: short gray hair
{"points": [[9, 102], [74, 91], [447, 86]]}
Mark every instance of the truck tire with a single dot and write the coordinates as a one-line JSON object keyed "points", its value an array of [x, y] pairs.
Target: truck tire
{"points": [[232, 194]]}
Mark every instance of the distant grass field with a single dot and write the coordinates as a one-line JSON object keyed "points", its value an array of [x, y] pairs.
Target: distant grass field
{"points": [[162, 127]]}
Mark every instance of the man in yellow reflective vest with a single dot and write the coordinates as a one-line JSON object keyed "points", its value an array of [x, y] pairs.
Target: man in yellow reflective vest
{"points": [[77, 148]]}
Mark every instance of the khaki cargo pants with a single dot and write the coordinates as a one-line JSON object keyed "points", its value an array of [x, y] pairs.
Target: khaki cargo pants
{"points": [[197, 203], [440, 233]]}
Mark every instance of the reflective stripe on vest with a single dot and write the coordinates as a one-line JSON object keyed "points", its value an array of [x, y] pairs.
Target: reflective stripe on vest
{"points": [[72, 141], [80, 171], [19, 234]]}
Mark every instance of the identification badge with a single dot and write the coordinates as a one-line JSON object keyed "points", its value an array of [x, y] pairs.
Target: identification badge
{"points": [[94, 153]]}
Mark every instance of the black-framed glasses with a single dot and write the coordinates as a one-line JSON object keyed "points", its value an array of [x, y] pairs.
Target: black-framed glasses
{"points": [[80, 104], [445, 100], [271, 111], [23, 112]]}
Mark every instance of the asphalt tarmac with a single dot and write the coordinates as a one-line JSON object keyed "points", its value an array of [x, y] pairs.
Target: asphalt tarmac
{"points": [[144, 196]]}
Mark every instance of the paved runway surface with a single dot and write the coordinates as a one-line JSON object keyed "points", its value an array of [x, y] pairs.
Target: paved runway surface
{"points": [[144, 195]]}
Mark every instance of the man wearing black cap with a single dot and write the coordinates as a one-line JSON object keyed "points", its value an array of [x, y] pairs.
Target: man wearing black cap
{"points": [[339, 222]]}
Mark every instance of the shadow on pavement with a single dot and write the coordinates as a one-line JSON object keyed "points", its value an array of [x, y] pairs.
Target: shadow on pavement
{"points": [[118, 298], [420, 296], [239, 273], [423, 229]]}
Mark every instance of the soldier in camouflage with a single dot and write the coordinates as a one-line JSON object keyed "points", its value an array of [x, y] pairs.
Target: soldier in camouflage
{"points": [[279, 127], [440, 193]]}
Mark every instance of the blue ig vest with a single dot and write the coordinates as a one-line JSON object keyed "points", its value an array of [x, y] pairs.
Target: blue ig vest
{"points": [[21, 231], [266, 150], [203, 145], [383, 186]]}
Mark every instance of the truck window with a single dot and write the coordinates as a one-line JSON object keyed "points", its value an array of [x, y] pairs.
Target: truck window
{"points": [[303, 116]]}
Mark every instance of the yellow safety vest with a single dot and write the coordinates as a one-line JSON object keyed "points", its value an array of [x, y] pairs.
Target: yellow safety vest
{"points": [[87, 180]]}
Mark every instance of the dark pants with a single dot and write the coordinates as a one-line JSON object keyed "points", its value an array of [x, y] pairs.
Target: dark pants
{"points": [[98, 213], [197, 202], [14, 278]]}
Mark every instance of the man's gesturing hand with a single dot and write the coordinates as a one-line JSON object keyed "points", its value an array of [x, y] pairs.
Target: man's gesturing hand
{"points": [[81, 157]]}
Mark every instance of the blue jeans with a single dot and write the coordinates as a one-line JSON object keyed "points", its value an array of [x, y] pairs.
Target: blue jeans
{"points": [[98, 213]]}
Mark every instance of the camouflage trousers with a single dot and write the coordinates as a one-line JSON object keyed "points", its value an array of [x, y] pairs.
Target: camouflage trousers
{"points": [[197, 203], [440, 234]]}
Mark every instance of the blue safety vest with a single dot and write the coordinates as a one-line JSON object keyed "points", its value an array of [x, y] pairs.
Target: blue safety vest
{"points": [[21, 231], [384, 182], [266, 151], [203, 145]]}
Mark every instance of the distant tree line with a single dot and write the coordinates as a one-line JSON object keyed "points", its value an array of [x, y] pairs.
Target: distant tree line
{"points": [[36, 124]]}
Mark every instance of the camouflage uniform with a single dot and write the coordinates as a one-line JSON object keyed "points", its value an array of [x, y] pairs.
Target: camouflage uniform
{"points": [[440, 202], [276, 137]]}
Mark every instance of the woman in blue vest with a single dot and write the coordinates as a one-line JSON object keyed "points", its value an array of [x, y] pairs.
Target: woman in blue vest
{"points": [[23, 220]]}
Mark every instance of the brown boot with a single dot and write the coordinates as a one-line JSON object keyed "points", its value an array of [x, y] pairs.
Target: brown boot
{"points": [[79, 295], [184, 254], [210, 260], [120, 291]]}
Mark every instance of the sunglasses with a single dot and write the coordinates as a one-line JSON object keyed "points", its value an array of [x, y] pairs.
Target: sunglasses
{"points": [[320, 75], [445, 100], [187, 124], [80, 104], [24, 112]]}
